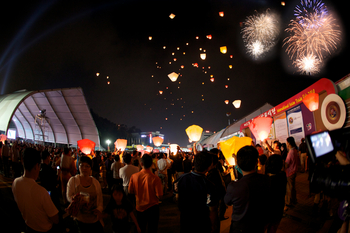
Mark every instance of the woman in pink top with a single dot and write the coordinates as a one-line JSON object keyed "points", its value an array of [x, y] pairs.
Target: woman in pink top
{"points": [[291, 166]]}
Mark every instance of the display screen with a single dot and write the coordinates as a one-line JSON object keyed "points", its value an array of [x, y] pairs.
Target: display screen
{"points": [[322, 143], [11, 134]]}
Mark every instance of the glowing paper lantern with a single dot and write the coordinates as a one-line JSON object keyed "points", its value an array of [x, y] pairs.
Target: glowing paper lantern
{"points": [[227, 101], [86, 146], [232, 145], [260, 127], [97, 74], [226, 86], [160, 92], [171, 16], [221, 13], [120, 144], [237, 103], [311, 101], [149, 149], [194, 132], [230, 66], [150, 38], [203, 56], [3, 138], [223, 49], [195, 65], [182, 67], [139, 147], [209, 37], [173, 76], [283, 3], [157, 141], [212, 80], [173, 148]]}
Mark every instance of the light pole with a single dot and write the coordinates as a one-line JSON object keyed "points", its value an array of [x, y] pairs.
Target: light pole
{"points": [[108, 142]]}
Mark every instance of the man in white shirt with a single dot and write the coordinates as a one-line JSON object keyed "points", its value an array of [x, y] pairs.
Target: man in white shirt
{"points": [[126, 171], [34, 202]]}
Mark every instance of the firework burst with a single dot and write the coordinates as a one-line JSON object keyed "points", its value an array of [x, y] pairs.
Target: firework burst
{"points": [[260, 33], [313, 35]]}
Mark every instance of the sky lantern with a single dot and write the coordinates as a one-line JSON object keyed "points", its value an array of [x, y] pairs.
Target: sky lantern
{"points": [[232, 146], [149, 149], [212, 80], [175, 59], [194, 133], [197, 37], [311, 101], [209, 37], [195, 65], [157, 141], [3, 138], [223, 49], [150, 38], [173, 148], [203, 56], [226, 86], [237, 103], [227, 101], [108, 82], [172, 16], [139, 147], [160, 92], [86, 146], [164, 47], [182, 66], [230, 66], [173, 76], [221, 14], [283, 3], [97, 74], [260, 127], [120, 144], [231, 56]]}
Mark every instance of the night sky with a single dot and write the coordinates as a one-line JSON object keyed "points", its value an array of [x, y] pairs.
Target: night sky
{"points": [[61, 44]]}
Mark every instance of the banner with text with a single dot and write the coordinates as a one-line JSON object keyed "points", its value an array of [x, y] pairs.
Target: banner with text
{"points": [[295, 124], [281, 127]]}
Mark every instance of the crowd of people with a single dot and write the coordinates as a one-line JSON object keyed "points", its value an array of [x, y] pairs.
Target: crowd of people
{"points": [[203, 183]]}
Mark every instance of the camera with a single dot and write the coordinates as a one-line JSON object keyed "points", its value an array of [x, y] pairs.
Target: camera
{"points": [[328, 176]]}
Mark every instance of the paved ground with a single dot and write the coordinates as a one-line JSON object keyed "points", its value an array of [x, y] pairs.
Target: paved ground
{"points": [[298, 219]]}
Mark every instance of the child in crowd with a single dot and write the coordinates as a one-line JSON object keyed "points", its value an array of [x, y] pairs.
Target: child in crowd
{"points": [[119, 208]]}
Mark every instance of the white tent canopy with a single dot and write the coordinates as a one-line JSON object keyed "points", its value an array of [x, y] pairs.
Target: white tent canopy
{"points": [[69, 118]]}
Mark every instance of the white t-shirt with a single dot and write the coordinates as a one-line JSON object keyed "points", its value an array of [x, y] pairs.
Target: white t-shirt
{"points": [[126, 172], [34, 202]]}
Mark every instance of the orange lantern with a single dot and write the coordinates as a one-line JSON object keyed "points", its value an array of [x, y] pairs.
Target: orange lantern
{"points": [[260, 127], [194, 132], [237, 103], [226, 86], [182, 67], [212, 80], [120, 144], [221, 13], [227, 101], [149, 149], [157, 141], [139, 147], [311, 101], [171, 16], [230, 66], [203, 56], [195, 65], [173, 148], [223, 49], [173, 76], [209, 37], [150, 38], [160, 92], [86, 146]]}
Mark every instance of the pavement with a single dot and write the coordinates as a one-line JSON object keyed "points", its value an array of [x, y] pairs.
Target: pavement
{"points": [[302, 218]]}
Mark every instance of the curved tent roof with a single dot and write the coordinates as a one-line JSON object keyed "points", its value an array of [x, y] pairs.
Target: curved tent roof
{"points": [[69, 118]]}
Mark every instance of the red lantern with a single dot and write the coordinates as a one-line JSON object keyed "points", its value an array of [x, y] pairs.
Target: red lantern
{"points": [[227, 101], [209, 37], [86, 146], [157, 141], [311, 101], [212, 79], [226, 86], [260, 127], [195, 65], [221, 13], [160, 92]]}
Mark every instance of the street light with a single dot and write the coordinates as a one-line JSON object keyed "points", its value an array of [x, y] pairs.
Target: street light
{"points": [[108, 142]]}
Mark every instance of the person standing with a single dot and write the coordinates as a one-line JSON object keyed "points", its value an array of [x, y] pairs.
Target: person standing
{"points": [[33, 200], [5, 153], [127, 171], [115, 169], [197, 198], [67, 170], [291, 168], [87, 190], [163, 165], [249, 195], [147, 188], [303, 155]]}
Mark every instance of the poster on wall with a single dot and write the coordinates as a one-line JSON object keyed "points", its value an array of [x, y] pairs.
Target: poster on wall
{"points": [[281, 127], [295, 124], [308, 119]]}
